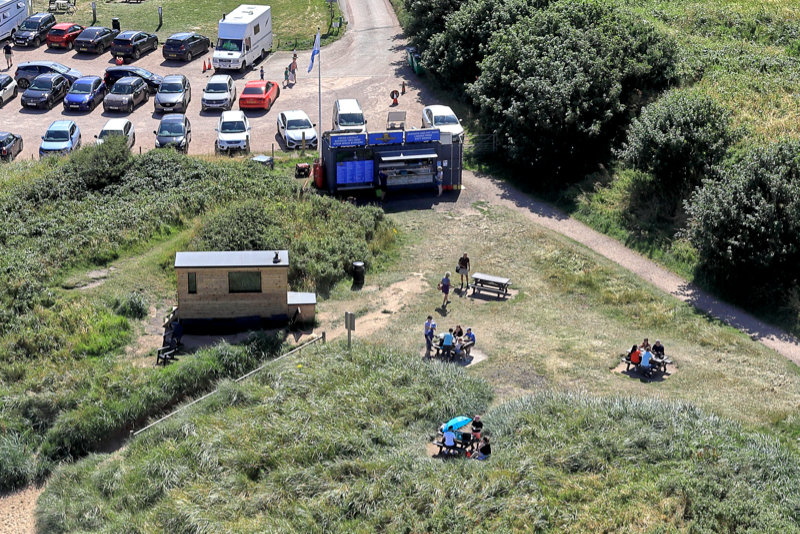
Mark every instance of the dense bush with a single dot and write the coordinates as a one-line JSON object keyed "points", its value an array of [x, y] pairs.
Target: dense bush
{"points": [[426, 18], [320, 253], [679, 138], [132, 305], [746, 224], [336, 442], [558, 85]]}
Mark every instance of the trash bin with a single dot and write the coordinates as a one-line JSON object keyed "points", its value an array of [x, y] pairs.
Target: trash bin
{"points": [[115, 24], [358, 273], [267, 161]]}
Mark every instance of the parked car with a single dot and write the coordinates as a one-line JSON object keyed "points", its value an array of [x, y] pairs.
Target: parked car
{"points": [[63, 35], [259, 94], [233, 133], [174, 131], [8, 88], [220, 93], [10, 146], [33, 30], [85, 94], [95, 39], [29, 70], [293, 125], [173, 94], [443, 118], [117, 127], [132, 44], [62, 137], [185, 46], [45, 91], [126, 94], [113, 74]]}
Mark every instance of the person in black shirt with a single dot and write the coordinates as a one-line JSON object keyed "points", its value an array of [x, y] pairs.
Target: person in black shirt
{"points": [[658, 349], [463, 269], [9, 55], [484, 449]]}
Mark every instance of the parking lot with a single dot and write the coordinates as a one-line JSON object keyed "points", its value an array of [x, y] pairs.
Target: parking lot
{"points": [[367, 64]]}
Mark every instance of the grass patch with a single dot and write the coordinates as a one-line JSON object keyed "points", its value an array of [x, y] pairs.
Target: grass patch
{"points": [[335, 442], [293, 21]]}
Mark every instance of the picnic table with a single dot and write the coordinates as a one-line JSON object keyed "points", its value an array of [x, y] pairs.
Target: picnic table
{"points": [[490, 283], [439, 350], [657, 364]]}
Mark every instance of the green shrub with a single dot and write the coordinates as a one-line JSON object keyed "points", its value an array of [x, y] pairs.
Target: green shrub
{"points": [[557, 84], [679, 138], [746, 224], [133, 305], [426, 18]]}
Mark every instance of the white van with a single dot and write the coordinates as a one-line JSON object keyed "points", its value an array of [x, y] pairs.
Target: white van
{"points": [[348, 116], [12, 13], [244, 35]]}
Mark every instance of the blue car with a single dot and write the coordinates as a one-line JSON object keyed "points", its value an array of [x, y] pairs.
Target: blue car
{"points": [[62, 137], [85, 94]]}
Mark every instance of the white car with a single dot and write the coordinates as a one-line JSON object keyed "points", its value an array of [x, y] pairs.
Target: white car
{"points": [[233, 133], [292, 125], [8, 88], [443, 118], [220, 93], [117, 127]]}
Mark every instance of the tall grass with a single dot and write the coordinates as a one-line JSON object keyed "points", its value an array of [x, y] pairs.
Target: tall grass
{"points": [[335, 442]]}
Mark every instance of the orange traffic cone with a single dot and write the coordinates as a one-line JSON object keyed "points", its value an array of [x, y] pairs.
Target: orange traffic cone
{"points": [[204, 66]]}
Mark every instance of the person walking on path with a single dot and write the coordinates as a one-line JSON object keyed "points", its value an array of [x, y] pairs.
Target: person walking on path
{"points": [[285, 77], [293, 70], [261, 72], [444, 286], [463, 269], [430, 330], [9, 55]]}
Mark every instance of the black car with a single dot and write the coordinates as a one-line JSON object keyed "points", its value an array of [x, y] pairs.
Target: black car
{"points": [[10, 146], [113, 74], [45, 91], [95, 39], [33, 30], [126, 94], [28, 71], [174, 131], [185, 46], [132, 44]]}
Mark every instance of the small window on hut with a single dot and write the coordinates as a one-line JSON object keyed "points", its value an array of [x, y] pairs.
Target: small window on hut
{"points": [[192, 283], [244, 282]]}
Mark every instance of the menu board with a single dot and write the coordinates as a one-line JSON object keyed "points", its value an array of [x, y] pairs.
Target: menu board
{"points": [[354, 172]]}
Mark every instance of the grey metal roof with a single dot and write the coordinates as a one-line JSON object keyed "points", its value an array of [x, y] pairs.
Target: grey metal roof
{"points": [[231, 258], [295, 298]]}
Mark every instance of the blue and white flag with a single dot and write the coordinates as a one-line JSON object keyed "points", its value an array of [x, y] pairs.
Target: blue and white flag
{"points": [[314, 52]]}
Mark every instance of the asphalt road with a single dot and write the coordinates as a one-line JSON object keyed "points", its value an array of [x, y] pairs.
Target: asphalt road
{"points": [[367, 64]]}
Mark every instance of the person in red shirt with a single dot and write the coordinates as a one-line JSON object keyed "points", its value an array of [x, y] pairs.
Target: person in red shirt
{"points": [[634, 356]]}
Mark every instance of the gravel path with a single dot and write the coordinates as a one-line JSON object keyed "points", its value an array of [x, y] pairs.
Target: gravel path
{"points": [[16, 511], [501, 193]]}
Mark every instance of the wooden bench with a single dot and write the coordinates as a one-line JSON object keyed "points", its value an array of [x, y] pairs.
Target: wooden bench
{"points": [[166, 353], [460, 447]]}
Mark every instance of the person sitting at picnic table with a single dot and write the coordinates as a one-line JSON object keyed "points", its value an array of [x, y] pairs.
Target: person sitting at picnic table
{"points": [[459, 347], [644, 345], [449, 440], [484, 449], [444, 286], [447, 343], [658, 349], [635, 356], [458, 332], [646, 357], [469, 337]]}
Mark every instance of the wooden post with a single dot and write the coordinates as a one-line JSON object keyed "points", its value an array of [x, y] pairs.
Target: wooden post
{"points": [[350, 325]]}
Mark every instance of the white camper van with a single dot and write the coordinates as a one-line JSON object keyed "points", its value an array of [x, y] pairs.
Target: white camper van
{"points": [[244, 35], [12, 13]]}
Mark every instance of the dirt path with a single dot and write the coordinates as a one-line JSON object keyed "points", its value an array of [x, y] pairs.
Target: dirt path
{"points": [[497, 192], [16, 511]]}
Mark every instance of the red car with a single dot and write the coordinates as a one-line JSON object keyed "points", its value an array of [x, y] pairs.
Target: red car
{"points": [[259, 94], [63, 34]]}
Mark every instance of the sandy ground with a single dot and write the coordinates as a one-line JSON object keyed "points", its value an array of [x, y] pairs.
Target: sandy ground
{"points": [[16, 511]]}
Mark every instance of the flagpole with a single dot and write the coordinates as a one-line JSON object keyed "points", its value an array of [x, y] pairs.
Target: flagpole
{"points": [[319, 96]]}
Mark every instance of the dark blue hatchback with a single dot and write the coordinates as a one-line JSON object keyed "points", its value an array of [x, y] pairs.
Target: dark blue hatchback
{"points": [[85, 94]]}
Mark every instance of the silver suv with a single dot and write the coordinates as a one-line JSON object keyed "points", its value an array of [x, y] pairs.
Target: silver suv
{"points": [[174, 94]]}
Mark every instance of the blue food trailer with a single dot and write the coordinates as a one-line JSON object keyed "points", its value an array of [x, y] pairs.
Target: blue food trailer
{"points": [[390, 160]]}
